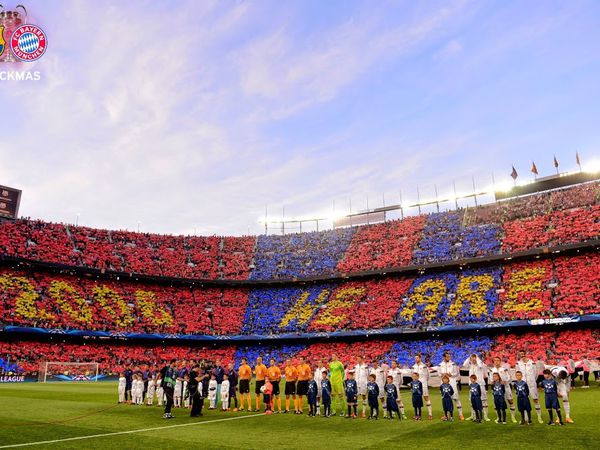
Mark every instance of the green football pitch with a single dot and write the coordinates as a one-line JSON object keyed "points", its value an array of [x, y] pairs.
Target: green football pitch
{"points": [[70, 415]]}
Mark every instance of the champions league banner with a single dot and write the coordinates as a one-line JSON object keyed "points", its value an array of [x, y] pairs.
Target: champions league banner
{"points": [[274, 337], [16, 379], [78, 377]]}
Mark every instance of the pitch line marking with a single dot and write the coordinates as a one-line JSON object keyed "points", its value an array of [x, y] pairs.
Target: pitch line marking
{"points": [[117, 433]]}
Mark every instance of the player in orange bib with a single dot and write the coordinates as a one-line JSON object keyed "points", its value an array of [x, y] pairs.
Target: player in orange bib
{"points": [[245, 375], [274, 374], [260, 370], [304, 375], [291, 374]]}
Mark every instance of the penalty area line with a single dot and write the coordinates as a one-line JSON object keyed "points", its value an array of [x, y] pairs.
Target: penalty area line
{"points": [[118, 433]]}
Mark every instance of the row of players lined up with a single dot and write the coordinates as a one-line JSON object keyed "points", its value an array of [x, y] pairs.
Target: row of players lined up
{"points": [[176, 383]]}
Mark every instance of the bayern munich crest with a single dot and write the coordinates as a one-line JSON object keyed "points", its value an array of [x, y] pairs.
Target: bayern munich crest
{"points": [[28, 42]]}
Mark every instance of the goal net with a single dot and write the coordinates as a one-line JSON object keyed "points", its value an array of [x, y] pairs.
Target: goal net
{"points": [[67, 371]]}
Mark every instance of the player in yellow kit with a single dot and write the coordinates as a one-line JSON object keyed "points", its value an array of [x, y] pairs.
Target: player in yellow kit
{"points": [[304, 375], [291, 374], [336, 377], [245, 374], [260, 370], [274, 374]]}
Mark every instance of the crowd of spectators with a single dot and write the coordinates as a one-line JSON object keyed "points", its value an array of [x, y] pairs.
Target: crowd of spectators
{"points": [[555, 228], [541, 288], [347, 351], [388, 244], [542, 203], [579, 290], [432, 350], [112, 358], [70, 302], [129, 252], [551, 347], [546, 219], [300, 255]]}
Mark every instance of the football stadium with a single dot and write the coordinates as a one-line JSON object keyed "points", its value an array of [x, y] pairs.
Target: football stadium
{"points": [[137, 312]]}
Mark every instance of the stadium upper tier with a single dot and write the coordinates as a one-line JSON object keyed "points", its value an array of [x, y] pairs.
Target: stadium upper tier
{"points": [[547, 219]]}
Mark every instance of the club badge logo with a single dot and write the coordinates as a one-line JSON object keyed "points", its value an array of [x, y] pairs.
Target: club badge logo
{"points": [[28, 42], [2, 41]]}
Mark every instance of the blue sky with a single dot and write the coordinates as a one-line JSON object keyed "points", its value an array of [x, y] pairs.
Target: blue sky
{"points": [[194, 115]]}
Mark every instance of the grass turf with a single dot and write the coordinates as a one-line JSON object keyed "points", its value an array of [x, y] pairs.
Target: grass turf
{"points": [[40, 412]]}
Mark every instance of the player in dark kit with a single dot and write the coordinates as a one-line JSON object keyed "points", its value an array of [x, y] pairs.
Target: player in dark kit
{"points": [[311, 394], [476, 403], [351, 390], [499, 391], [391, 398], [373, 397], [551, 393], [523, 403], [326, 394], [416, 389], [447, 392]]}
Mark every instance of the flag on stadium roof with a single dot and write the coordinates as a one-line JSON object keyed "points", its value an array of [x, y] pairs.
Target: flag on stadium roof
{"points": [[514, 173], [534, 168]]}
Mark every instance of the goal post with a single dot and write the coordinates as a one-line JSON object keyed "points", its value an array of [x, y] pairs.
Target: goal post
{"points": [[67, 371]]}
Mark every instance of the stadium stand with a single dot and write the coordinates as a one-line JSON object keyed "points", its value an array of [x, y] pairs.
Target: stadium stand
{"points": [[546, 219], [552, 347], [306, 285]]}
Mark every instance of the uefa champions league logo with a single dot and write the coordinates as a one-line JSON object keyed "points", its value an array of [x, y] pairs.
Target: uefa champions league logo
{"points": [[20, 41]]}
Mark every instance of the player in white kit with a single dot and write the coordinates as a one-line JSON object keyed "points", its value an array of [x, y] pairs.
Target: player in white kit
{"points": [[225, 393], [478, 368], [212, 392], [529, 369], [186, 396], [137, 390], [318, 376], [151, 390], [563, 381], [505, 379], [178, 392], [121, 388], [396, 373], [450, 369], [421, 368], [160, 393], [361, 374]]}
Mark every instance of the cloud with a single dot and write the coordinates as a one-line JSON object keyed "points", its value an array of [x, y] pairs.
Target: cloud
{"points": [[291, 74], [195, 115], [451, 48]]}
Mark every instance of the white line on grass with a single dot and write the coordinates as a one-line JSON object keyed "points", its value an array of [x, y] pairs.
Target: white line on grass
{"points": [[117, 433]]}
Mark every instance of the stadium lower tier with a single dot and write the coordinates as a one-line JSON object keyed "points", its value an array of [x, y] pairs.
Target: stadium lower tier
{"points": [[539, 289], [553, 347]]}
